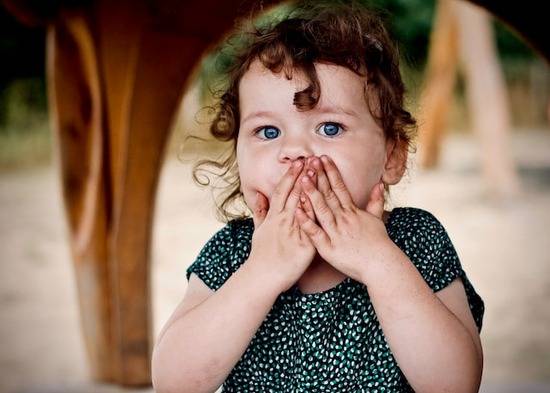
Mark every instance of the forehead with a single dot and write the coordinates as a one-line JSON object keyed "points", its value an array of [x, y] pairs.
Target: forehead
{"points": [[259, 87]]}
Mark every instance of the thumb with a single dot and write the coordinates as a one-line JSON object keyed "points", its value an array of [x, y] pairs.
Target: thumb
{"points": [[375, 205], [261, 205]]}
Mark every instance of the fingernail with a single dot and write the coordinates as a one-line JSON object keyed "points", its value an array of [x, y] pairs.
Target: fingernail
{"points": [[297, 164], [310, 173], [303, 199], [381, 186]]}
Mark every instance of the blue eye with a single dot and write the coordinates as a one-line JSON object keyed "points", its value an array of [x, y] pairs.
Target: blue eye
{"points": [[270, 132], [331, 129]]}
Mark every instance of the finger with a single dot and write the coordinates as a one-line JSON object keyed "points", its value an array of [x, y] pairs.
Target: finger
{"points": [[305, 204], [294, 197], [323, 184], [280, 194], [315, 233], [375, 205], [337, 183], [307, 207], [303, 235], [323, 212], [261, 206]]}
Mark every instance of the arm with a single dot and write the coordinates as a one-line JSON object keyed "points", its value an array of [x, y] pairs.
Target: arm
{"points": [[197, 351], [432, 346]]}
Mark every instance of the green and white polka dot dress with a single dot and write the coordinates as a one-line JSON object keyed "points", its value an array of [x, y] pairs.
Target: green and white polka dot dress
{"points": [[330, 341]]}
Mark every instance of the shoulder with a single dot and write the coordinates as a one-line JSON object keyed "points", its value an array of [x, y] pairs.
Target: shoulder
{"points": [[420, 235], [414, 226], [226, 238], [412, 215], [224, 252]]}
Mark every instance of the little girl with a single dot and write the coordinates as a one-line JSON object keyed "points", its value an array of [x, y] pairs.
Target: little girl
{"points": [[321, 290]]}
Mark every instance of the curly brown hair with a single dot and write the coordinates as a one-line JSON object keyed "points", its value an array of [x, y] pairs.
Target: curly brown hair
{"points": [[347, 34]]}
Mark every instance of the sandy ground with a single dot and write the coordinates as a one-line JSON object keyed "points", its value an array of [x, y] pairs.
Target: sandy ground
{"points": [[504, 248]]}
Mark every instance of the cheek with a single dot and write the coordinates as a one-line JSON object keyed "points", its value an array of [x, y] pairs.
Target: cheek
{"points": [[255, 175], [248, 191], [359, 185], [244, 175], [245, 158], [360, 176]]}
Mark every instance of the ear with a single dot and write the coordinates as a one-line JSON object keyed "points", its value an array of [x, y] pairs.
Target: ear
{"points": [[395, 162]]}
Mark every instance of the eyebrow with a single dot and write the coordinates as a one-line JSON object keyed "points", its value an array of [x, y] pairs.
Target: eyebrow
{"points": [[326, 109], [258, 114]]}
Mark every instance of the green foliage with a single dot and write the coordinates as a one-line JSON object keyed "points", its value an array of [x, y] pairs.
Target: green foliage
{"points": [[23, 105], [510, 45], [25, 138], [409, 23]]}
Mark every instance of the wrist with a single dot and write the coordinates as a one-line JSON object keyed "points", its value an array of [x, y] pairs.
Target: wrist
{"points": [[385, 252], [264, 276]]}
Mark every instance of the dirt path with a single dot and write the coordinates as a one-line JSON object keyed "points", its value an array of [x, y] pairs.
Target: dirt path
{"points": [[504, 249]]}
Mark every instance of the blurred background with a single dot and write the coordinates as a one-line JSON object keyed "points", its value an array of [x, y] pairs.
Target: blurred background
{"points": [[502, 241]]}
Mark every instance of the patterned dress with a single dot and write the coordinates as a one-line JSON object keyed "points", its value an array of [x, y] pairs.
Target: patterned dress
{"points": [[330, 341]]}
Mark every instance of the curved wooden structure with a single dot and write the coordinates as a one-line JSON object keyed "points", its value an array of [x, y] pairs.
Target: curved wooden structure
{"points": [[116, 72]]}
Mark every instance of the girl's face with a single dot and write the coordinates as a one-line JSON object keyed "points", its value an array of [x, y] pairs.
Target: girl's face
{"points": [[273, 133]]}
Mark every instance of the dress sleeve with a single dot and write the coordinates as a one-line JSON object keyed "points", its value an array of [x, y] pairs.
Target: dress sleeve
{"points": [[213, 263], [435, 257], [442, 264]]}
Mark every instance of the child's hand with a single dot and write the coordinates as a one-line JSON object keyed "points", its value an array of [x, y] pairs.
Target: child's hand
{"points": [[346, 237], [279, 244]]}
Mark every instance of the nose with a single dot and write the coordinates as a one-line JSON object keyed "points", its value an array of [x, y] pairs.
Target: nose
{"points": [[295, 148]]}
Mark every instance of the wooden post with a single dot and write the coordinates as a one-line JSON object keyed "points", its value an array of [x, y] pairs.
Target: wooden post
{"points": [[437, 93], [487, 98]]}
